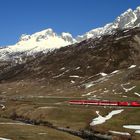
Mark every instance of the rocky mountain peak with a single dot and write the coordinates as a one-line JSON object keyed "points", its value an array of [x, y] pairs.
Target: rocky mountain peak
{"points": [[68, 37], [24, 37]]}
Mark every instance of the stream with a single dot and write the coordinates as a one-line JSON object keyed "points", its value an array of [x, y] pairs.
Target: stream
{"points": [[84, 134]]}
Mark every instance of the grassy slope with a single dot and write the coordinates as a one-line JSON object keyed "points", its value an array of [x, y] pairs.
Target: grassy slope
{"points": [[29, 132]]}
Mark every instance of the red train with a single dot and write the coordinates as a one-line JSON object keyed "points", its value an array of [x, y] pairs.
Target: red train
{"points": [[105, 103]]}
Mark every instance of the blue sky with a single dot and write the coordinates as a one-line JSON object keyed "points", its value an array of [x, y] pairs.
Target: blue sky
{"points": [[74, 16]]}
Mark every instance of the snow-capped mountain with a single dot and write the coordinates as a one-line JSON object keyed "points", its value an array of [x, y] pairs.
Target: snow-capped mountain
{"points": [[48, 40], [40, 41], [128, 19]]}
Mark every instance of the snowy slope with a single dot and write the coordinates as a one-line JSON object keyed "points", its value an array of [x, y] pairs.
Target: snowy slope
{"points": [[48, 40]]}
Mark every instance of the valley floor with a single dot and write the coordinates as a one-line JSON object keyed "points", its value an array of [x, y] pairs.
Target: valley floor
{"points": [[47, 107], [59, 113]]}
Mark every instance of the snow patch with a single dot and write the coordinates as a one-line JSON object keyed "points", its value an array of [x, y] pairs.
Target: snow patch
{"points": [[120, 133], [88, 85], [10, 123], [87, 94], [134, 127], [73, 82], [122, 37], [57, 76], [77, 68], [100, 119], [106, 91], [42, 133], [124, 96], [2, 106], [137, 94], [63, 68], [132, 66], [92, 83], [103, 74], [74, 76], [46, 107], [4, 139], [114, 72], [127, 89], [94, 96], [137, 131]]}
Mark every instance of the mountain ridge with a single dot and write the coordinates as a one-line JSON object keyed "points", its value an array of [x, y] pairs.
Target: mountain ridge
{"points": [[48, 40]]}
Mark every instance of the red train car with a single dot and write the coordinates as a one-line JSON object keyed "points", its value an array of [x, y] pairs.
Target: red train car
{"points": [[135, 104], [123, 104], [108, 103], [92, 102]]}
